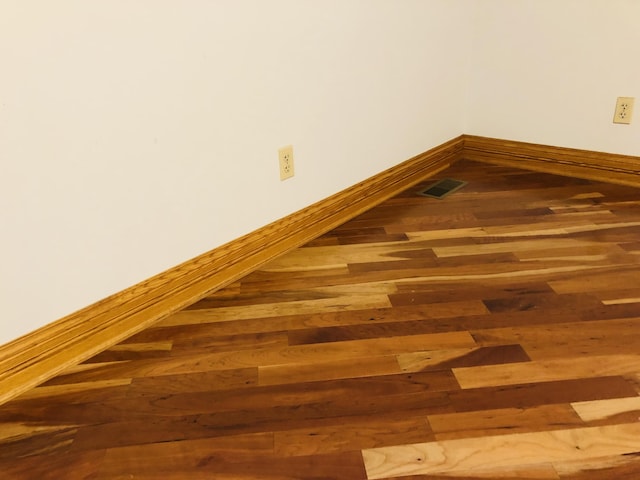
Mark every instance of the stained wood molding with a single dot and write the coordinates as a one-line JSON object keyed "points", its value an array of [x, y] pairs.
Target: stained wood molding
{"points": [[604, 167], [39, 355]]}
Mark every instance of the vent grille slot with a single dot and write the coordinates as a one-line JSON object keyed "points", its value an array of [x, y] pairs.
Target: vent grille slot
{"points": [[442, 188]]}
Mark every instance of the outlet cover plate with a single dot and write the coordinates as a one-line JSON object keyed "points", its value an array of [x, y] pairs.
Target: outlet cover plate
{"points": [[624, 110], [285, 156]]}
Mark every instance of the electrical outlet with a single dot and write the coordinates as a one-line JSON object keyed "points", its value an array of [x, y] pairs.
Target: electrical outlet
{"points": [[285, 155], [624, 110]]}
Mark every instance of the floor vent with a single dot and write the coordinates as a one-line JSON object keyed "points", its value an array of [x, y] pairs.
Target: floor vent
{"points": [[442, 188]]}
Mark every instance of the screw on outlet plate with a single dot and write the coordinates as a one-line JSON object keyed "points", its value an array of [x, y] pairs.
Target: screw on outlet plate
{"points": [[285, 155], [624, 110]]}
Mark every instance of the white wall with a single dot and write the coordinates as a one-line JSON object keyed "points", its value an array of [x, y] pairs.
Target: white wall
{"points": [[137, 134], [549, 71]]}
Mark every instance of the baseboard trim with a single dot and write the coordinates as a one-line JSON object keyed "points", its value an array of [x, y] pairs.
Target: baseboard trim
{"points": [[591, 165], [34, 358]]}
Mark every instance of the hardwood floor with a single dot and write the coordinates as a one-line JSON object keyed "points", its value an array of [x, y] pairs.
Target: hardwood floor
{"points": [[491, 334]]}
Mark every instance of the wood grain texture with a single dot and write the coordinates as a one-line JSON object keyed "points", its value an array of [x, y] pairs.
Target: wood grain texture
{"points": [[39, 355], [547, 370], [488, 335], [499, 454], [622, 169]]}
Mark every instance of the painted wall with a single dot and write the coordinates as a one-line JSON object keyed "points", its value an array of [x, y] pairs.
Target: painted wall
{"points": [[135, 135], [549, 71]]}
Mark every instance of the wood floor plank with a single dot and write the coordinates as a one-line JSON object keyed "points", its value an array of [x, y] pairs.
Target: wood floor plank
{"points": [[496, 453], [604, 409], [353, 302], [619, 467], [77, 390], [350, 435], [184, 456], [542, 471], [373, 326], [615, 279], [541, 302], [503, 421], [229, 379], [328, 370], [409, 293], [541, 393], [547, 370], [53, 467], [246, 456], [221, 343], [512, 246]]}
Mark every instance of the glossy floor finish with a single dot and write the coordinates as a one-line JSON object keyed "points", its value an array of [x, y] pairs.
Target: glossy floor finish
{"points": [[491, 334]]}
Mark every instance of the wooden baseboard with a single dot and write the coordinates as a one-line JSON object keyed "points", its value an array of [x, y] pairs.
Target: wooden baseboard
{"points": [[40, 355], [604, 167]]}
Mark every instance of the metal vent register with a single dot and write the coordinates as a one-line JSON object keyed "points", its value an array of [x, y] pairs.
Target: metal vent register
{"points": [[443, 188]]}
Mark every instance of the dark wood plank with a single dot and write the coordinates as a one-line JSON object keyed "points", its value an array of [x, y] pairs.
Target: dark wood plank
{"points": [[544, 393], [80, 465]]}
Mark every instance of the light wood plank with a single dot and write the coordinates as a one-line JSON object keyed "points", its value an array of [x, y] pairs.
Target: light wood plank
{"points": [[493, 455], [547, 370], [602, 409], [303, 307], [328, 370], [55, 390]]}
